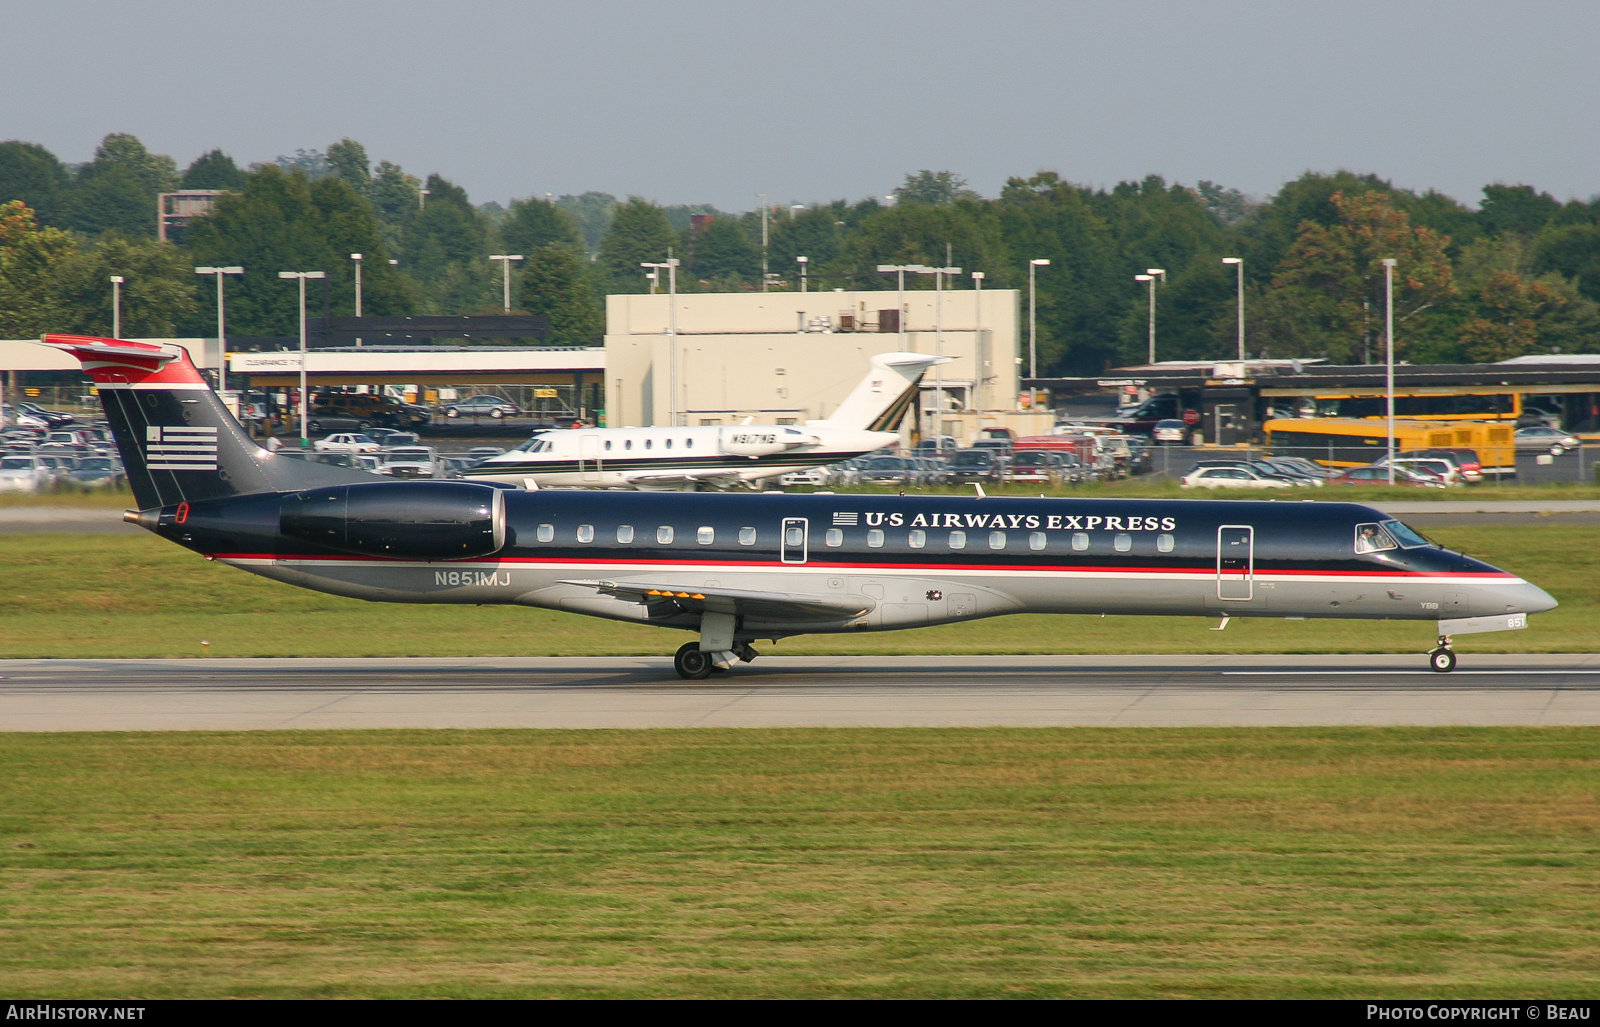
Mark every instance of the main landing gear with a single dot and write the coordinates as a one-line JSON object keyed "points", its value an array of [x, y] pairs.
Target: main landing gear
{"points": [[1442, 659], [694, 663]]}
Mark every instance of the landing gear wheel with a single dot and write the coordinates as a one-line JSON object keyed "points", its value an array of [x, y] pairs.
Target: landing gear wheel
{"points": [[691, 663], [1442, 660]]}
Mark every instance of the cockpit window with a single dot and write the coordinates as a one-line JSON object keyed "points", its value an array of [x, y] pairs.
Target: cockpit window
{"points": [[1373, 538], [1409, 538]]}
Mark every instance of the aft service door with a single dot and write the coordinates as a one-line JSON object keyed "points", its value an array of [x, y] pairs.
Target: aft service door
{"points": [[1236, 544], [589, 457], [792, 540]]}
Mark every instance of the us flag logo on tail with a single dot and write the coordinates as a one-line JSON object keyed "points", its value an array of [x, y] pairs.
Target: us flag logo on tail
{"points": [[180, 449]]}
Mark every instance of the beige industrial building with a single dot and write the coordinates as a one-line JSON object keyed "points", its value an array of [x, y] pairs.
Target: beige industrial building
{"points": [[787, 357]]}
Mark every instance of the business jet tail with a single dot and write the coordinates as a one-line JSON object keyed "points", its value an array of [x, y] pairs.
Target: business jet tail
{"points": [[885, 395]]}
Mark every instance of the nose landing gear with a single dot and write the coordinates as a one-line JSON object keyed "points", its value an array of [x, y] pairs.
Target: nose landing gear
{"points": [[1442, 659]]}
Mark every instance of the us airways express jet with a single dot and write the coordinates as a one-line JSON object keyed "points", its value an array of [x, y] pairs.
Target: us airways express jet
{"points": [[736, 568], [673, 458]]}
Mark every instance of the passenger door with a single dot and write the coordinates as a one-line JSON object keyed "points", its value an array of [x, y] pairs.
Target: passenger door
{"points": [[1236, 562], [793, 540], [589, 457]]}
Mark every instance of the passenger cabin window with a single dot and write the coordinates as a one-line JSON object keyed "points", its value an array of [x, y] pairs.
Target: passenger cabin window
{"points": [[747, 536], [1036, 540], [834, 538], [545, 533], [585, 533], [688, 443], [669, 443], [958, 540], [627, 444], [1080, 540], [705, 535], [875, 538], [647, 443], [664, 535], [1165, 543], [1374, 538], [1122, 542], [608, 443], [917, 539], [624, 533], [997, 540]]}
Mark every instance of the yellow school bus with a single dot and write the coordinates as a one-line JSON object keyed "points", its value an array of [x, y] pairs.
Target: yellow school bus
{"points": [[1460, 403], [1351, 442]]}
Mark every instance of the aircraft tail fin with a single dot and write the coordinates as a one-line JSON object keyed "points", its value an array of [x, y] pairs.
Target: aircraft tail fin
{"points": [[886, 394], [179, 444]]}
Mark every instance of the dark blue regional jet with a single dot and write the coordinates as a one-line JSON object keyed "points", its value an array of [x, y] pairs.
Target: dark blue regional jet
{"points": [[734, 569]]}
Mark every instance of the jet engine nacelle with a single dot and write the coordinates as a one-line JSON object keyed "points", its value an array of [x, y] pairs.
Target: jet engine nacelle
{"points": [[749, 440], [424, 520]]}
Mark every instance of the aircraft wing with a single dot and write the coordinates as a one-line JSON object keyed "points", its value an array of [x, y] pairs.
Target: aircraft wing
{"points": [[753, 604], [665, 480]]}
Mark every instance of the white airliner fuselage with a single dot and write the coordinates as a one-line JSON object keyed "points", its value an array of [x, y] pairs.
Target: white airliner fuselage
{"points": [[717, 455]]}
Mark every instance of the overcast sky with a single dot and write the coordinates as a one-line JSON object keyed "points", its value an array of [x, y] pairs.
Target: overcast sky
{"points": [[706, 101]]}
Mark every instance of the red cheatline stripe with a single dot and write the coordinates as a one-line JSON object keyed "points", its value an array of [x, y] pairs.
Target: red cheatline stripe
{"points": [[816, 565]]}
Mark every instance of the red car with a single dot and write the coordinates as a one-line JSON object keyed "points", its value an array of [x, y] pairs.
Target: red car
{"points": [[1371, 475]]}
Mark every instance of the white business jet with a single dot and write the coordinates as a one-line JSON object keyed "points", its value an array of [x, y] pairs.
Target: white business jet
{"points": [[718, 456]]}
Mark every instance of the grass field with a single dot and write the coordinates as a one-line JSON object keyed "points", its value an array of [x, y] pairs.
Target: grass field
{"points": [[868, 863], [82, 596]]}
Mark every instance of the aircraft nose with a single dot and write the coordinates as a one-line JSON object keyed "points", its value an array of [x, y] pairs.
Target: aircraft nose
{"points": [[1533, 599]]}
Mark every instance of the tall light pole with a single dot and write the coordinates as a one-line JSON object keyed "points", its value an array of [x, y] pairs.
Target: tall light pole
{"points": [[900, 271], [670, 265], [505, 260], [1033, 318], [938, 341], [222, 324], [422, 199], [357, 257], [804, 262], [1388, 331], [1150, 276], [116, 306], [1238, 263], [305, 437], [979, 351], [764, 206]]}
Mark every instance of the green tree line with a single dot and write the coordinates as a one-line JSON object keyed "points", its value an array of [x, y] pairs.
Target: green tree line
{"points": [[1518, 274]]}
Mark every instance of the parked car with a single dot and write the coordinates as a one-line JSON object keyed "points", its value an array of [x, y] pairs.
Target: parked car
{"points": [[888, 470], [813, 476], [983, 465], [1037, 465], [52, 418], [1170, 431], [24, 474], [1309, 468], [358, 411], [60, 464], [1263, 469], [410, 462], [936, 445], [347, 442], [478, 454], [98, 472], [1232, 478], [1438, 467], [1541, 437], [1465, 460], [1371, 475], [482, 406], [401, 438]]}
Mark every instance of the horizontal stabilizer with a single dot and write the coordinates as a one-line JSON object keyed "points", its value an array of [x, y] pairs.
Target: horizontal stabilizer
{"points": [[745, 602]]}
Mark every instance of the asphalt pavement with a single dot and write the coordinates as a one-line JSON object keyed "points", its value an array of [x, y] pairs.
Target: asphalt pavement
{"points": [[776, 691]]}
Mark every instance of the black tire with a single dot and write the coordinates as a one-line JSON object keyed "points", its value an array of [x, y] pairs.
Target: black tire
{"points": [[691, 663], [1443, 661], [451, 412], [497, 413]]}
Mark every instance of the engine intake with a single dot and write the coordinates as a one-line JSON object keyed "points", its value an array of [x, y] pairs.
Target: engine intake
{"points": [[425, 520]]}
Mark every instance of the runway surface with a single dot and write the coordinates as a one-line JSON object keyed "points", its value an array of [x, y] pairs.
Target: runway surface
{"points": [[844, 691]]}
